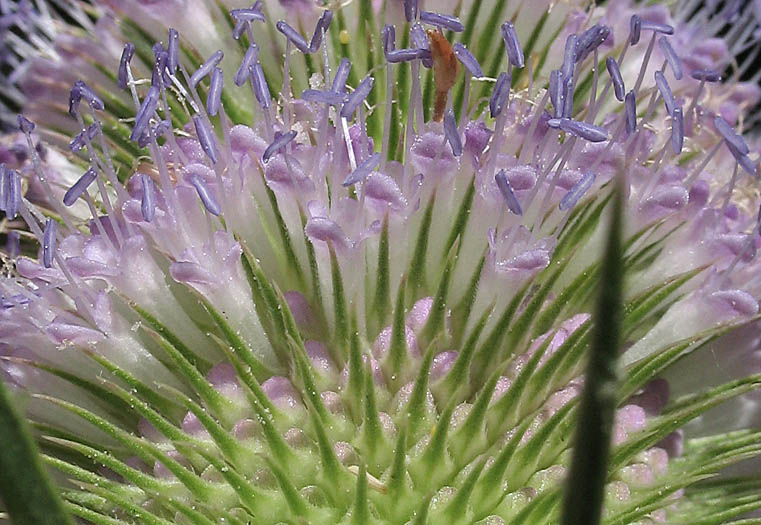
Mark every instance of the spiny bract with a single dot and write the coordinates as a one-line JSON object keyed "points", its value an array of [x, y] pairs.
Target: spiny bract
{"points": [[270, 287]]}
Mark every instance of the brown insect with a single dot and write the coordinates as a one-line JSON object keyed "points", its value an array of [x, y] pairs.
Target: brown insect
{"points": [[445, 70]]}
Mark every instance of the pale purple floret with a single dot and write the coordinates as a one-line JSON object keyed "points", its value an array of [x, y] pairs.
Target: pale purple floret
{"points": [[207, 199], [173, 50], [322, 97], [557, 91], [706, 75], [507, 193], [657, 27], [410, 9], [342, 74], [206, 68], [569, 56], [568, 98], [355, 99], [468, 60], [671, 57], [512, 45], [78, 142], [677, 130], [127, 53], [729, 135], [49, 243], [293, 36], [281, 140], [616, 78], [148, 199], [630, 106], [79, 187], [144, 113], [403, 55], [205, 138], [250, 57], [320, 29], [363, 170], [635, 29], [448, 22], [214, 98], [583, 130], [576, 192], [450, 131], [499, 94], [665, 90], [590, 40], [259, 85], [24, 124]]}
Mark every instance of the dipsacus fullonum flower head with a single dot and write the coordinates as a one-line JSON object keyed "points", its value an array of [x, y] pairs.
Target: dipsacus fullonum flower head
{"points": [[330, 264]]}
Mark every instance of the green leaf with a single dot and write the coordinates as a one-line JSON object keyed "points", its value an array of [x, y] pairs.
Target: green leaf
{"points": [[27, 492], [588, 473]]}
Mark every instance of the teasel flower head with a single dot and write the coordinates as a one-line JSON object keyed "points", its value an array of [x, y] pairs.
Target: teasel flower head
{"points": [[304, 263]]}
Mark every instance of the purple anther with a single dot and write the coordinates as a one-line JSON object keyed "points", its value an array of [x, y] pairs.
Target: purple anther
{"points": [[148, 200], [320, 29], [206, 68], [671, 57], [24, 124], [410, 9], [743, 160], [363, 170], [499, 94], [127, 53], [468, 60], [403, 55], [78, 142], [616, 78], [355, 99], [554, 123], [451, 23], [295, 38], [12, 194], [450, 131], [576, 192], [665, 90], [206, 138], [322, 97], [74, 98], [677, 130], [247, 14], [240, 28], [207, 199], [657, 27], [144, 114], [569, 57], [162, 127], [557, 91], [568, 98], [388, 37], [635, 29], [507, 193], [259, 84], [706, 75], [250, 57], [89, 95], [630, 106], [3, 186], [79, 187], [584, 130], [173, 49], [590, 40], [342, 74], [159, 75], [729, 135], [512, 45], [48, 243], [418, 37], [214, 98], [281, 141], [144, 139]]}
